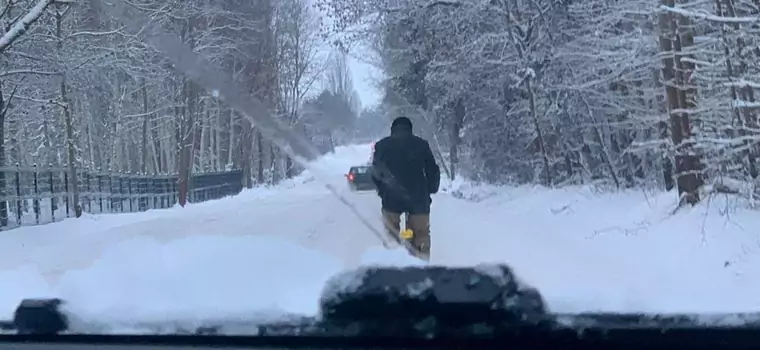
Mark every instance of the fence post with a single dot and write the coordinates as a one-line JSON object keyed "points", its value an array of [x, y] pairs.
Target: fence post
{"points": [[153, 189], [138, 190], [129, 190], [167, 189], [100, 188], [87, 188], [19, 207], [66, 190], [142, 185], [36, 200], [4, 197], [53, 198], [161, 183], [175, 180], [110, 191], [120, 179], [144, 193]]}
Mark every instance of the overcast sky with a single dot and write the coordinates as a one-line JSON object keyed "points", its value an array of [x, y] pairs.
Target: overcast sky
{"points": [[365, 76]]}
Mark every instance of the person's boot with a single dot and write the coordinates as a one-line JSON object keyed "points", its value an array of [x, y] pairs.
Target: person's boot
{"points": [[423, 251]]}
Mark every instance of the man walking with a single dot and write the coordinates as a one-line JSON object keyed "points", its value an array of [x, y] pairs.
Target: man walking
{"points": [[405, 173]]}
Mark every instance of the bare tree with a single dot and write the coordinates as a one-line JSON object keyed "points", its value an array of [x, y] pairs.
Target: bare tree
{"points": [[298, 43]]}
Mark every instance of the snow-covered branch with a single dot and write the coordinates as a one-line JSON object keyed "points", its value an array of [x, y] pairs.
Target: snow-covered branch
{"points": [[21, 26], [26, 71], [703, 14]]}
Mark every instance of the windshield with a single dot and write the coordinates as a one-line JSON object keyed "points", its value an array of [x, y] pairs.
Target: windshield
{"points": [[185, 162]]}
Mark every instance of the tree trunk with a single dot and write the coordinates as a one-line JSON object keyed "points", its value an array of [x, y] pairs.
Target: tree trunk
{"points": [[455, 128], [73, 190], [674, 37]]}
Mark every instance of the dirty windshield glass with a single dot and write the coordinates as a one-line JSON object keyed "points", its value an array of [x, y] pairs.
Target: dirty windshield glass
{"points": [[182, 164]]}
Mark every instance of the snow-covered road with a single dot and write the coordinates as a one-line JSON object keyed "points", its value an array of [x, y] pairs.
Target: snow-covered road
{"points": [[272, 249]]}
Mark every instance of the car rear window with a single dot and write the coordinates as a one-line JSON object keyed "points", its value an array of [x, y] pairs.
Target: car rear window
{"points": [[360, 170]]}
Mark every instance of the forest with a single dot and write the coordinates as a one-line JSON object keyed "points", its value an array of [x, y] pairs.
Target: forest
{"points": [[618, 94], [79, 90], [652, 94]]}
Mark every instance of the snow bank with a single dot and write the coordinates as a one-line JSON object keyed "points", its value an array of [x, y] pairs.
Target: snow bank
{"points": [[590, 251], [21, 283], [198, 278], [266, 251]]}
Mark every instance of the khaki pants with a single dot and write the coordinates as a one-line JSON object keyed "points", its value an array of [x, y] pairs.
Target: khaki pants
{"points": [[418, 223]]}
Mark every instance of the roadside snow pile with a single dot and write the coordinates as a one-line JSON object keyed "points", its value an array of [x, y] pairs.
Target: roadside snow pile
{"points": [[106, 259], [196, 278], [469, 190], [587, 250]]}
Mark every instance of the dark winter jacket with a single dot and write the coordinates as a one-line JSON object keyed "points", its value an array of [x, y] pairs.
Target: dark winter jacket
{"points": [[404, 171]]}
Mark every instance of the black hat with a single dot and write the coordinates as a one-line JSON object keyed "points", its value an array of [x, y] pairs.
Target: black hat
{"points": [[401, 121]]}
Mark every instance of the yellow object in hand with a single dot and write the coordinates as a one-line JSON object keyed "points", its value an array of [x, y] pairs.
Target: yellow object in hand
{"points": [[407, 234]]}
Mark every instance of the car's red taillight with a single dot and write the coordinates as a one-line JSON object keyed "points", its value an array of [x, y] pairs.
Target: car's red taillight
{"points": [[351, 177]]}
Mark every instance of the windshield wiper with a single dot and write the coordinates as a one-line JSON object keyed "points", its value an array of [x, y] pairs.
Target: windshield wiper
{"points": [[422, 307]]}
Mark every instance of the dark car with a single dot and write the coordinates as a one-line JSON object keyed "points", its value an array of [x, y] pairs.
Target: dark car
{"points": [[359, 178]]}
